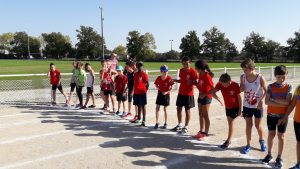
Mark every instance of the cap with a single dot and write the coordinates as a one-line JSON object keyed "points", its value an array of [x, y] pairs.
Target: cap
{"points": [[139, 64], [164, 68], [120, 68]]}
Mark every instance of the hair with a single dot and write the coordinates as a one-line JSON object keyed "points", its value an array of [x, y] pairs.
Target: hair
{"points": [[185, 59], [52, 64], [280, 70], [248, 63], [225, 78], [86, 66], [202, 65], [139, 64], [130, 63], [78, 65]]}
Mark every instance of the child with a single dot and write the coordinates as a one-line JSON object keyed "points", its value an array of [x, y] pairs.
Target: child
{"points": [[164, 85], [108, 89], [80, 83], [278, 99], [90, 85], [121, 90], [73, 83], [187, 77], [55, 78], [233, 103], [254, 87], [101, 75], [294, 103], [130, 69], [140, 89], [204, 85]]}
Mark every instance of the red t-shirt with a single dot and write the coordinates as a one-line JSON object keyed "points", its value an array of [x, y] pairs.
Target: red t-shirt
{"points": [[230, 94], [108, 78], [205, 83], [164, 85], [54, 77], [120, 82], [140, 80], [187, 79]]}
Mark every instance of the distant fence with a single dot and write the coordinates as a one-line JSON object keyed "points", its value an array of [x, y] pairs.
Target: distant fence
{"points": [[36, 87]]}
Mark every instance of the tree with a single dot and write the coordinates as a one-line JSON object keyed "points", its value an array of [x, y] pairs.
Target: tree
{"points": [[56, 45], [20, 45], [254, 46], [120, 50], [217, 46], [271, 50], [5, 41], [90, 43], [140, 46], [190, 45], [294, 46]]}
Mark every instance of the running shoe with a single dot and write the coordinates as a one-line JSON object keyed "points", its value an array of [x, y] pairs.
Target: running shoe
{"points": [[143, 124], [176, 128], [297, 166], [137, 121], [198, 135], [165, 126], [225, 145], [184, 131], [263, 146], [246, 149], [134, 119], [202, 137], [104, 107], [82, 107], [156, 126], [120, 114], [92, 106], [127, 116], [267, 159], [278, 163]]}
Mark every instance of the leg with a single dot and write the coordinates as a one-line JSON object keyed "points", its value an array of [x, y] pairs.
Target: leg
{"points": [[129, 107], [271, 136], [123, 102], [157, 113], [119, 106], [139, 108], [230, 128], [249, 124], [87, 99], [258, 125], [166, 115], [205, 109], [53, 96], [187, 116], [281, 143], [93, 99], [144, 112], [201, 120], [179, 115]]}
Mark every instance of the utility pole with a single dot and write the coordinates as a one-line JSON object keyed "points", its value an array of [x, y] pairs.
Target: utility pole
{"points": [[102, 19], [171, 44], [28, 46]]}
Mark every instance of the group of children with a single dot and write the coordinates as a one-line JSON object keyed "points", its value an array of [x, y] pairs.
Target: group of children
{"points": [[132, 84]]}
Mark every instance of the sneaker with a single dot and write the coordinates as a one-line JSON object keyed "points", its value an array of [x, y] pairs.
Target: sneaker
{"points": [[202, 137], [263, 146], [82, 107], [134, 119], [137, 121], [156, 126], [103, 108], [165, 126], [225, 144], [184, 131], [176, 128], [246, 149], [198, 135], [143, 124], [92, 106], [278, 163], [120, 114], [53, 103], [297, 166], [128, 115], [78, 106], [267, 159]]}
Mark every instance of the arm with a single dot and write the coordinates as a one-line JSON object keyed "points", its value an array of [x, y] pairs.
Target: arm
{"points": [[240, 104], [288, 111], [264, 88], [215, 96], [242, 84], [269, 100]]}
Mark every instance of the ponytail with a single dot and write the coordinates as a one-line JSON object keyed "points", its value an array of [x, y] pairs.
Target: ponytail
{"points": [[208, 70], [202, 65]]}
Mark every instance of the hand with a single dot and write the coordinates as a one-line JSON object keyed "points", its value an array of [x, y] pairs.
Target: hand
{"points": [[260, 106], [283, 120], [164, 93], [201, 96], [221, 103]]}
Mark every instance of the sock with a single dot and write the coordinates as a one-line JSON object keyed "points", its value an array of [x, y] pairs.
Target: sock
{"points": [[179, 124]]}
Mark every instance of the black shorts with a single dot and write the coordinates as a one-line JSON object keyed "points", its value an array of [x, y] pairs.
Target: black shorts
{"points": [[272, 122], [185, 101], [107, 92], [297, 130], [130, 96], [72, 85], [140, 99], [59, 87], [89, 90], [250, 112], [163, 100], [204, 101], [101, 89], [233, 112], [121, 97]]}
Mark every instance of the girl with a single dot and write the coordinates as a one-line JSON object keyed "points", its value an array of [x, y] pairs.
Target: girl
{"points": [[73, 83], [254, 87], [90, 85], [80, 83], [164, 85]]}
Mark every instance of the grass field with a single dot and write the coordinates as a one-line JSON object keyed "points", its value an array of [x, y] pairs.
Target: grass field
{"points": [[42, 66]]}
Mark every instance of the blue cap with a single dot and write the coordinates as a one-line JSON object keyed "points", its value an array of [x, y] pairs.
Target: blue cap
{"points": [[120, 68], [164, 68]]}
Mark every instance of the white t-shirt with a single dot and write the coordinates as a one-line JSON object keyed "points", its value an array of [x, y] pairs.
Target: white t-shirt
{"points": [[252, 92], [90, 80]]}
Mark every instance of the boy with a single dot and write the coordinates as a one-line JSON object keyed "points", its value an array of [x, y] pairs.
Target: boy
{"points": [[233, 103], [164, 85], [108, 89], [185, 98], [254, 87], [55, 78], [80, 83], [130, 69], [121, 87], [141, 85], [294, 103], [278, 99], [72, 83], [90, 86]]}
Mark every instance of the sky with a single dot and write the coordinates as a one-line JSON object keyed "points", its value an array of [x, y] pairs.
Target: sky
{"points": [[165, 19]]}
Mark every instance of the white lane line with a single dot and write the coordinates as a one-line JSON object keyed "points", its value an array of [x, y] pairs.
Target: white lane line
{"points": [[14, 115], [19, 123]]}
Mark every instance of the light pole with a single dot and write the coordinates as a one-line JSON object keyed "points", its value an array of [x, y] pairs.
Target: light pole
{"points": [[171, 44], [102, 19], [28, 46]]}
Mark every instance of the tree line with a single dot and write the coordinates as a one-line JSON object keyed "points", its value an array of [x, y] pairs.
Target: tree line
{"points": [[215, 46]]}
